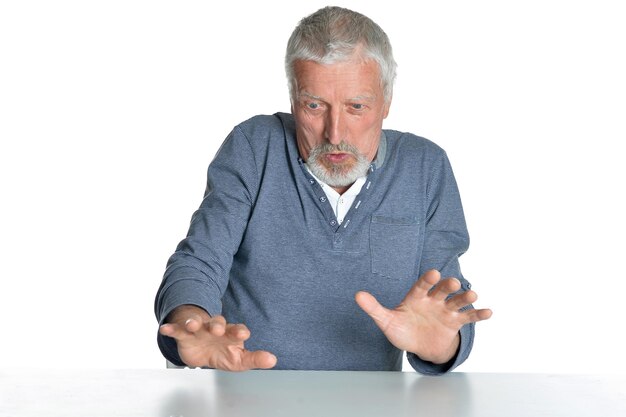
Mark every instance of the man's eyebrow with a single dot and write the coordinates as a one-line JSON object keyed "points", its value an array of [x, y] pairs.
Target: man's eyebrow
{"points": [[363, 98], [309, 95]]}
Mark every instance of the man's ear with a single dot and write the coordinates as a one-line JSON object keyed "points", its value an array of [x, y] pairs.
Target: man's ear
{"points": [[386, 107]]}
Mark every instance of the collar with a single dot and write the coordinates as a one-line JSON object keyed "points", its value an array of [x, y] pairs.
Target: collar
{"points": [[382, 151]]}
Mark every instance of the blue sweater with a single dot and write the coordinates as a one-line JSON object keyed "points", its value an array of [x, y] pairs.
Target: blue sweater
{"points": [[265, 249]]}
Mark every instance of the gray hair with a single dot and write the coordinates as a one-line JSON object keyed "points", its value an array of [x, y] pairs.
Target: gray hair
{"points": [[335, 34]]}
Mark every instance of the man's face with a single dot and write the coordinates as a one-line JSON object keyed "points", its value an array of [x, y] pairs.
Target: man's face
{"points": [[339, 111]]}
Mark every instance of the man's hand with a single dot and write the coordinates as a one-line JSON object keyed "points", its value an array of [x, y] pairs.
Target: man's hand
{"points": [[203, 340], [425, 323]]}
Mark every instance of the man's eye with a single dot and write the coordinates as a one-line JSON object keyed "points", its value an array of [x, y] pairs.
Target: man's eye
{"points": [[357, 106], [313, 106]]}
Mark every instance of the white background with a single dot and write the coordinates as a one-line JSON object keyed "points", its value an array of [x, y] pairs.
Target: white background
{"points": [[111, 111]]}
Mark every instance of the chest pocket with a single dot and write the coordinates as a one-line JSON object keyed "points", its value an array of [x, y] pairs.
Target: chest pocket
{"points": [[394, 244]]}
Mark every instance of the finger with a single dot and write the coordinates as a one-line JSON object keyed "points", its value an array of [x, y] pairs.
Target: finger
{"points": [[174, 331], [473, 316], [237, 332], [258, 359], [424, 284], [444, 288], [217, 325], [368, 303], [168, 329], [459, 301]]}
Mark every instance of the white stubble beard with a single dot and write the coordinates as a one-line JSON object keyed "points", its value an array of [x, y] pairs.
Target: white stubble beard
{"points": [[337, 176]]}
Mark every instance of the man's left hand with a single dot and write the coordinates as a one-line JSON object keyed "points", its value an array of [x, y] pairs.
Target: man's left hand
{"points": [[426, 322]]}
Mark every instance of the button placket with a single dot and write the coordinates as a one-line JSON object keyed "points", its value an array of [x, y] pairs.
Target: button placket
{"points": [[318, 191], [366, 188]]}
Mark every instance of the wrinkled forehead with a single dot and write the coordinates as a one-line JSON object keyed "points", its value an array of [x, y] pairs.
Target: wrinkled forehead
{"points": [[356, 74]]}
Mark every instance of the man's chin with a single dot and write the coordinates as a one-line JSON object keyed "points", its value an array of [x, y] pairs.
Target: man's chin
{"points": [[340, 178], [341, 174], [342, 168]]}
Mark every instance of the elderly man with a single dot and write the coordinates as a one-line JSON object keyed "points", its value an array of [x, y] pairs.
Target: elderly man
{"points": [[313, 221]]}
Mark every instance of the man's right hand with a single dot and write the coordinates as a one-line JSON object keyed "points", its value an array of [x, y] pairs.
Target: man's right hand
{"points": [[209, 341]]}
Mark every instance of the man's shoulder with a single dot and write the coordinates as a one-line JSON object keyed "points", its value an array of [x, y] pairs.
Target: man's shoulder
{"points": [[263, 134], [406, 143], [265, 123]]}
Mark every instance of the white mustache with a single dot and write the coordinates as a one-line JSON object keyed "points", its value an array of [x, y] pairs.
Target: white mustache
{"points": [[341, 147]]}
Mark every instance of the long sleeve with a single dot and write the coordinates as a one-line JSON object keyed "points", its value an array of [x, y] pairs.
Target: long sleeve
{"points": [[197, 273], [446, 239], [263, 250]]}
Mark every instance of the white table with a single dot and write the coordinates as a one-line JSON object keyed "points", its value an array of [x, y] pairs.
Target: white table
{"points": [[194, 393]]}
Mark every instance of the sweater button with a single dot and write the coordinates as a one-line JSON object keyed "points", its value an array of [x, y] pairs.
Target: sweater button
{"points": [[333, 223], [323, 199]]}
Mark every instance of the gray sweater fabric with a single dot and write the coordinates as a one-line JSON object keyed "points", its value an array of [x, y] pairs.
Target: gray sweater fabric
{"points": [[266, 250]]}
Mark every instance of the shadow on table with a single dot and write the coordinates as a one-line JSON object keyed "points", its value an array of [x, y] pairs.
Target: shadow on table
{"points": [[442, 396], [188, 402], [285, 393]]}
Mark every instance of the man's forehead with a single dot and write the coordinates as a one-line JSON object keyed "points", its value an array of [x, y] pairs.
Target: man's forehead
{"points": [[304, 94], [349, 73], [355, 63]]}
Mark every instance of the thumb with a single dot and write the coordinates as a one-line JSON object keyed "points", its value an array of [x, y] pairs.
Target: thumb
{"points": [[368, 303], [258, 359]]}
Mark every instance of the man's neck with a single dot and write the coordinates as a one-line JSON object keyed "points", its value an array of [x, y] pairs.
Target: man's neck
{"points": [[342, 190]]}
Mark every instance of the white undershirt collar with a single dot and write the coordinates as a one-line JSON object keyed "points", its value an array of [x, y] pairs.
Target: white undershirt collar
{"points": [[340, 203]]}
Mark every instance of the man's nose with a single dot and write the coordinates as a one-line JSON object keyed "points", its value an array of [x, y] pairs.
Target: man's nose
{"points": [[335, 127]]}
